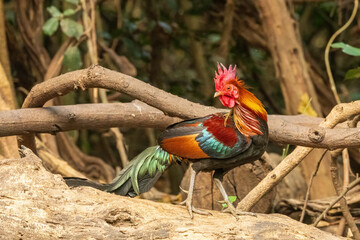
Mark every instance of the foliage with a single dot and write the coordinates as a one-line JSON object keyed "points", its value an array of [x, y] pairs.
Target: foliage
{"points": [[346, 48], [353, 74], [72, 59], [68, 26], [352, 51], [231, 199]]}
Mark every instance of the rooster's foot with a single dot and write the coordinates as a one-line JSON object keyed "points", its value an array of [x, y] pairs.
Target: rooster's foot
{"points": [[236, 213], [191, 209]]}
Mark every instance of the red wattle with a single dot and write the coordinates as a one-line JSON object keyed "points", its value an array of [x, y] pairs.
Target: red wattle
{"points": [[227, 101]]}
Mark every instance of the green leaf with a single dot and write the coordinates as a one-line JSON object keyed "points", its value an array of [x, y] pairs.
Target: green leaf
{"points": [[72, 59], [54, 11], [232, 199], [51, 26], [346, 48], [353, 74], [71, 28], [75, 2], [69, 12]]}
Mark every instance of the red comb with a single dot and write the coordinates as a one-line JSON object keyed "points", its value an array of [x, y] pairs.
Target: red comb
{"points": [[223, 75]]}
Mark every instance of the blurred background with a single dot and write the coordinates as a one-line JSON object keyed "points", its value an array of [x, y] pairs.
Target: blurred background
{"points": [[176, 45]]}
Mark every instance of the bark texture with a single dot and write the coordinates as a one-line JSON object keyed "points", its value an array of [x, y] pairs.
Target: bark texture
{"points": [[7, 93], [168, 106], [4, 55], [288, 56], [295, 130], [35, 204]]}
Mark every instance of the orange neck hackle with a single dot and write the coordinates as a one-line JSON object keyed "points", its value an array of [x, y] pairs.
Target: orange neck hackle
{"points": [[247, 111]]}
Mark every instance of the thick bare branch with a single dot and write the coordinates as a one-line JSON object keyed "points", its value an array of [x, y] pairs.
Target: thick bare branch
{"points": [[99, 77], [283, 129]]}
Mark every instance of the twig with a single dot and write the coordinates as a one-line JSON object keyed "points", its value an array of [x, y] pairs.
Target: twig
{"points": [[327, 50], [341, 227], [346, 172], [309, 187], [348, 188], [346, 164], [120, 146], [343, 204]]}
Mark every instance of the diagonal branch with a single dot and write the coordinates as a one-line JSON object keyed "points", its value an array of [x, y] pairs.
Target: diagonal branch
{"points": [[340, 113], [342, 195]]}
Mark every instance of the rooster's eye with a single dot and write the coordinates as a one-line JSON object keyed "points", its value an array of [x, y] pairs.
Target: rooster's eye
{"points": [[228, 88]]}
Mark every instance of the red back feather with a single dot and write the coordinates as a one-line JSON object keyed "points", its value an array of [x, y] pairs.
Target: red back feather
{"points": [[225, 135]]}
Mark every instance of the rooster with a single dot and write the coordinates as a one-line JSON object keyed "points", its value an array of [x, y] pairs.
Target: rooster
{"points": [[217, 142]]}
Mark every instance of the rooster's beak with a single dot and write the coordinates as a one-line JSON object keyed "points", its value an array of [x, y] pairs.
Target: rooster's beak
{"points": [[217, 94]]}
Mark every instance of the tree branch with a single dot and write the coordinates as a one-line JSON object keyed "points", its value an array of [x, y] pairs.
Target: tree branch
{"points": [[283, 129], [65, 118], [343, 204], [99, 77], [342, 195], [340, 113]]}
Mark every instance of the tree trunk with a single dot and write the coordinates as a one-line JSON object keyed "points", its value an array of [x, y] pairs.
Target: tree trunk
{"points": [[8, 146], [35, 204], [293, 73], [288, 56]]}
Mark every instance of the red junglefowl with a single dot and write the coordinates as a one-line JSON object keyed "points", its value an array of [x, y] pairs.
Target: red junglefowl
{"points": [[217, 142]]}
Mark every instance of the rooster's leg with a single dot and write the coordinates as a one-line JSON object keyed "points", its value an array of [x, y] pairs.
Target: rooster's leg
{"points": [[189, 198], [230, 207]]}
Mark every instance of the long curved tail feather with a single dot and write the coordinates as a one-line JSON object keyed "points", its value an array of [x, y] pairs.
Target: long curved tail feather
{"points": [[137, 177], [78, 182], [141, 173]]}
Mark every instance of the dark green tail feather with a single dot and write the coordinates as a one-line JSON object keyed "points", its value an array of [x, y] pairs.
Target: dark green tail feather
{"points": [[141, 173]]}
